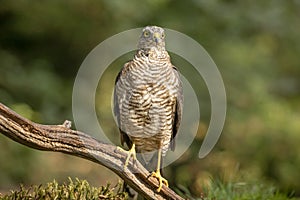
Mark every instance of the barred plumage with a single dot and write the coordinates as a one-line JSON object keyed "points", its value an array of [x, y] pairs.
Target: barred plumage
{"points": [[148, 97]]}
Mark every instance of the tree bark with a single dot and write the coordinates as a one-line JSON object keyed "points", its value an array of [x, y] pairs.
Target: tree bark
{"points": [[61, 138]]}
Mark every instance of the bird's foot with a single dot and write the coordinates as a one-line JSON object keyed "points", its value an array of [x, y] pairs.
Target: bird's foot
{"points": [[161, 180], [130, 153]]}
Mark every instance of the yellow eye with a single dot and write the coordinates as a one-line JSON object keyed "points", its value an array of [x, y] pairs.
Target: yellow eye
{"points": [[146, 33], [163, 35]]}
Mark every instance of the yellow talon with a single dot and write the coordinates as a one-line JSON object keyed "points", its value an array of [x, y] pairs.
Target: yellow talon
{"points": [[157, 173], [160, 179], [131, 153]]}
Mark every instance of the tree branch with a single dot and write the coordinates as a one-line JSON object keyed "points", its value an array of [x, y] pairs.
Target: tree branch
{"points": [[61, 138]]}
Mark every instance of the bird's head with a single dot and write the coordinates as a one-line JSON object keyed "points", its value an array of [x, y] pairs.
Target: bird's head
{"points": [[152, 37]]}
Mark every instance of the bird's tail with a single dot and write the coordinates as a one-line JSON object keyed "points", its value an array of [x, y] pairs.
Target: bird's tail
{"points": [[149, 161], [132, 194]]}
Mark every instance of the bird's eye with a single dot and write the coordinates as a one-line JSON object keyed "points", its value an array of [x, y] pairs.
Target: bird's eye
{"points": [[163, 35], [146, 34]]}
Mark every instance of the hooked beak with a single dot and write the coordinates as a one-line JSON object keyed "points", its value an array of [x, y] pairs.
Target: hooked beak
{"points": [[157, 38]]}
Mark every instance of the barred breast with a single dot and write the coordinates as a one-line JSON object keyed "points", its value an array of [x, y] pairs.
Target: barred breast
{"points": [[146, 91]]}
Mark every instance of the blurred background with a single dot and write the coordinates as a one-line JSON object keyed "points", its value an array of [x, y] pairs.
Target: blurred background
{"points": [[255, 44]]}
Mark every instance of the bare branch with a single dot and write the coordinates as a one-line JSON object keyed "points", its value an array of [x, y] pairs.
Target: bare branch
{"points": [[61, 138]]}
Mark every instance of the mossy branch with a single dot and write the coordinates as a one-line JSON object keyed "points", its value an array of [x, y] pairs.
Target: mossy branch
{"points": [[61, 138]]}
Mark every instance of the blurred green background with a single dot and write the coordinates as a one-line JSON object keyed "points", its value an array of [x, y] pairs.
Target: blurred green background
{"points": [[255, 44]]}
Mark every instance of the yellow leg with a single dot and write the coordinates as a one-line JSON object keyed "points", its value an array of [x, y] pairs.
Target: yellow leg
{"points": [[131, 153], [158, 175]]}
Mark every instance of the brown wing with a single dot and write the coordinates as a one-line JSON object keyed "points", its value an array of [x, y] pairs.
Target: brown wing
{"points": [[177, 111], [123, 136]]}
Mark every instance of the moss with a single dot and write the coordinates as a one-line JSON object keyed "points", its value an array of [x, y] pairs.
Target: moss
{"points": [[78, 189]]}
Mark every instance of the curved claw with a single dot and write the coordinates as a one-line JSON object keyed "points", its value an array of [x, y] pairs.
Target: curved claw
{"points": [[161, 180]]}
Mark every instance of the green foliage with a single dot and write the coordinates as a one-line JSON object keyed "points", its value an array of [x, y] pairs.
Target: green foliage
{"points": [[78, 189], [237, 191], [244, 191]]}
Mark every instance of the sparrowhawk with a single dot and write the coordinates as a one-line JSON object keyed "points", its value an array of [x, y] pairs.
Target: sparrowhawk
{"points": [[148, 101]]}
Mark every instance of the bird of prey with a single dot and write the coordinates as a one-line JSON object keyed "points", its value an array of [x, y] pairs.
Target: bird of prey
{"points": [[148, 101]]}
